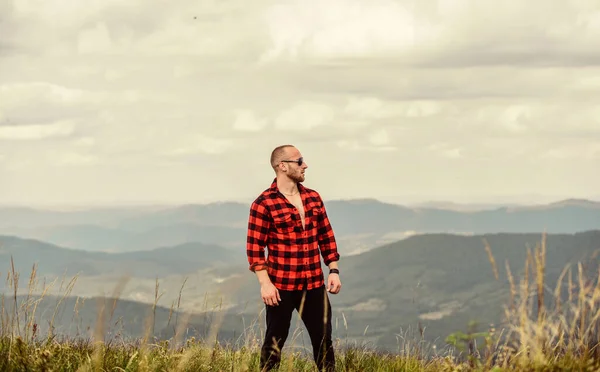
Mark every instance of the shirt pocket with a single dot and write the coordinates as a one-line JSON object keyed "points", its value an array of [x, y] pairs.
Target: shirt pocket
{"points": [[313, 215], [284, 222]]}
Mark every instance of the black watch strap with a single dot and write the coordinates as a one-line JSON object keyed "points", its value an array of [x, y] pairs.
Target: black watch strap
{"points": [[334, 271]]}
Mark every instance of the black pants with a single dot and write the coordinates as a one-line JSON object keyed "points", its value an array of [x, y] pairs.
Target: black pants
{"points": [[316, 315]]}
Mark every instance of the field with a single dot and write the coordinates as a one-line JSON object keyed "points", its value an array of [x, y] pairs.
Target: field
{"points": [[548, 326]]}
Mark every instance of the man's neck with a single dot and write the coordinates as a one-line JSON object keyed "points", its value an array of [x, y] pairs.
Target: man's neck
{"points": [[286, 185]]}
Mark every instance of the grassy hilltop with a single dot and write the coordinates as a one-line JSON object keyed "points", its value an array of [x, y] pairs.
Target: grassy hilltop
{"points": [[546, 327]]}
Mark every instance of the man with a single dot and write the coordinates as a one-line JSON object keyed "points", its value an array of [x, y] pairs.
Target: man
{"points": [[290, 220]]}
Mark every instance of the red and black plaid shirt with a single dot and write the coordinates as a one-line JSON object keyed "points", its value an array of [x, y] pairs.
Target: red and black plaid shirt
{"points": [[294, 252]]}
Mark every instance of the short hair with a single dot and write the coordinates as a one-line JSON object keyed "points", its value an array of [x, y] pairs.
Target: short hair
{"points": [[277, 154]]}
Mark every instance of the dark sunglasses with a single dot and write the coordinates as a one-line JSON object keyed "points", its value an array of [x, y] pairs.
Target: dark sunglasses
{"points": [[299, 161]]}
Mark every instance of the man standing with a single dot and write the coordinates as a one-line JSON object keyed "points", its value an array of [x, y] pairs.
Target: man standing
{"points": [[290, 220]]}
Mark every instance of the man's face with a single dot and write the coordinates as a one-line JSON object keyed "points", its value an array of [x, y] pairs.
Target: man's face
{"points": [[294, 171]]}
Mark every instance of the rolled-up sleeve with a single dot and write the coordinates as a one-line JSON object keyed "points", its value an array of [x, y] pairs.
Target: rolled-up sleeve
{"points": [[256, 240], [327, 242]]}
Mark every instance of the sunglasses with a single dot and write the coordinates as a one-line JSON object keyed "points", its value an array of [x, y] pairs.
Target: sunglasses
{"points": [[299, 161]]}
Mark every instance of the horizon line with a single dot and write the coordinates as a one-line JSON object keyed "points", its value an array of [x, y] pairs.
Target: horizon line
{"points": [[427, 203]]}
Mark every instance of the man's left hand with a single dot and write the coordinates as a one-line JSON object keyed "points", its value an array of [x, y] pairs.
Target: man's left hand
{"points": [[333, 283]]}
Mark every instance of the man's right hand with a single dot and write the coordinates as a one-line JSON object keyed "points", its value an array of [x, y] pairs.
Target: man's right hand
{"points": [[270, 294]]}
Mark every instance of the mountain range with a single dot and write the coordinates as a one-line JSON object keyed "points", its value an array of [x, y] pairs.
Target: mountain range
{"points": [[436, 281], [359, 224], [54, 261], [401, 267]]}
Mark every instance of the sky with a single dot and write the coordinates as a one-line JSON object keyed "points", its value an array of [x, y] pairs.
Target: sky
{"points": [[144, 101]]}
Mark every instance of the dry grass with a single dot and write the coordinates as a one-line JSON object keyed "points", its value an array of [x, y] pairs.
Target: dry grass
{"points": [[540, 335]]}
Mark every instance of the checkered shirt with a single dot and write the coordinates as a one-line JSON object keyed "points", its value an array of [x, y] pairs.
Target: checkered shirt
{"points": [[294, 252]]}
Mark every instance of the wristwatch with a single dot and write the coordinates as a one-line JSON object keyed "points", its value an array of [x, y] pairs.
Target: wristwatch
{"points": [[334, 271]]}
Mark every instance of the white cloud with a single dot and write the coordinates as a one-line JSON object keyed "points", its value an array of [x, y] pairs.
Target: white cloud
{"points": [[379, 138], [532, 118], [305, 116], [12, 95], [351, 145], [336, 28], [376, 108], [64, 13], [421, 108], [515, 118], [37, 131], [571, 151], [74, 159], [446, 150], [53, 102], [373, 145], [139, 27], [84, 142], [201, 144], [436, 32], [366, 108], [247, 121], [94, 40]]}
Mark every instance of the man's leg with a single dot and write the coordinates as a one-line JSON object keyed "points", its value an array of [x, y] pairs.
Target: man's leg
{"points": [[316, 315], [278, 325]]}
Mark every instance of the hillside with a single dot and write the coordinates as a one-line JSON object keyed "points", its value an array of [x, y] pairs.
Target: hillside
{"points": [[120, 319], [438, 282], [53, 260]]}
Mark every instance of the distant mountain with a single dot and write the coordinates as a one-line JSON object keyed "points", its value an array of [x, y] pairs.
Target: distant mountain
{"points": [[18, 217], [370, 216], [53, 260], [474, 207], [460, 207], [86, 237], [583, 203], [359, 224], [230, 214], [107, 239]]}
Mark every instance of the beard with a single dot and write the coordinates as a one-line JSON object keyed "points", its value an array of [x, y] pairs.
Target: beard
{"points": [[296, 177]]}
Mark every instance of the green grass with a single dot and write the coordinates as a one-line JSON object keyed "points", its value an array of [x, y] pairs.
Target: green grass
{"points": [[17, 355], [539, 333]]}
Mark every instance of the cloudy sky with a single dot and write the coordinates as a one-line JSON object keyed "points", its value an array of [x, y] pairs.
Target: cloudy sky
{"points": [[147, 101]]}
